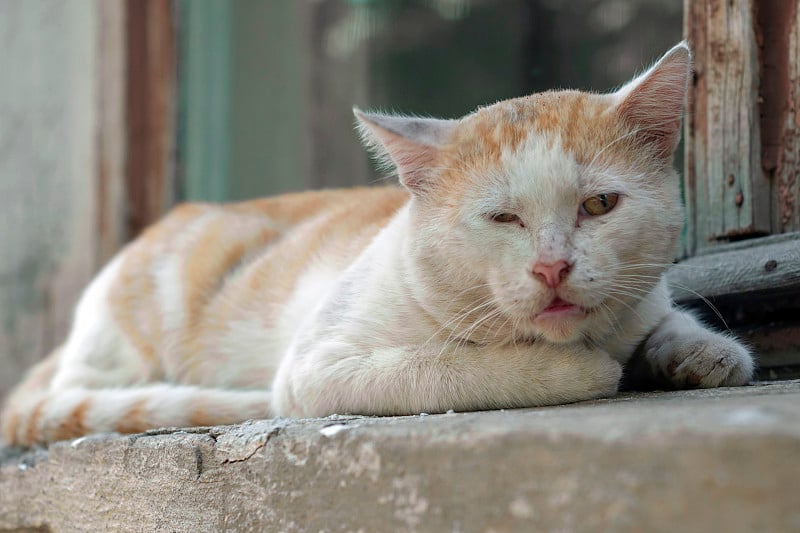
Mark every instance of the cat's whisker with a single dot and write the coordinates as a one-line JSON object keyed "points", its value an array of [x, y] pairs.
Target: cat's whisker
{"points": [[468, 333], [463, 338], [609, 315], [514, 326], [459, 318], [613, 296], [629, 266], [705, 301], [491, 328], [679, 286]]}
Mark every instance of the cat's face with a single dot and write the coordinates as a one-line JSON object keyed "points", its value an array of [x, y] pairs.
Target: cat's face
{"points": [[565, 227], [560, 209]]}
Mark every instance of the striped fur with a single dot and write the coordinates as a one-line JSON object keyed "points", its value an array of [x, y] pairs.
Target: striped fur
{"points": [[400, 300]]}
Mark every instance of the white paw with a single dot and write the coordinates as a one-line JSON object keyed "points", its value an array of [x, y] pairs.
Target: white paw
{"points": [[609, 374], [699, 358]]}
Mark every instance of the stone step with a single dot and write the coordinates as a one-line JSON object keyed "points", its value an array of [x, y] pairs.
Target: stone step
{"points": [[704, 460]]}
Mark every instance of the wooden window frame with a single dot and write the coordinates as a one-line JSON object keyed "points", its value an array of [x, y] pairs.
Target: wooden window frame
{"points": [[742, 175]]}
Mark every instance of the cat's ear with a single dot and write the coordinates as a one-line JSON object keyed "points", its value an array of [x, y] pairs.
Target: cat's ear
{"points": [[411, 144], [653, 101]]}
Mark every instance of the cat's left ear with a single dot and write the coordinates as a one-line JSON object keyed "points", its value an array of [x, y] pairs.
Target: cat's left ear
{"points": [[653, 101], [411, 144]]}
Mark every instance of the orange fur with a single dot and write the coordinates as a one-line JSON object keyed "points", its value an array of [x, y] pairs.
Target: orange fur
{"points": [[134, 420], [32, 432], [201, 417], [74, 425]]}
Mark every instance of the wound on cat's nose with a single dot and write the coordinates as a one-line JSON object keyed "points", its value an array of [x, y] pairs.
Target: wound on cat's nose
{"points": [[551, 274]]}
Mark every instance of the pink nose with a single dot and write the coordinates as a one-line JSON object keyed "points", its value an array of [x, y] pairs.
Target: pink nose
{"points": [[551, 274]]}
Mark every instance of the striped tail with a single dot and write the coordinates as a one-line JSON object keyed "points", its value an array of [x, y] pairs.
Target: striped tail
{"points": [[38, 417]]}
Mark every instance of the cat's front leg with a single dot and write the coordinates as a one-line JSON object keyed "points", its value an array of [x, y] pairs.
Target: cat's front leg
{"points": [[337, 378], [682, 353]]}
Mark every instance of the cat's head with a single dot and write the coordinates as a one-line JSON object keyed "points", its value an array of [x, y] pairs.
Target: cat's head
{"points": [[555, 212]]}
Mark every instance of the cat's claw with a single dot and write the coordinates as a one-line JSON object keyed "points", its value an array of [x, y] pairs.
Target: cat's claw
{"points": [[689, 356]]}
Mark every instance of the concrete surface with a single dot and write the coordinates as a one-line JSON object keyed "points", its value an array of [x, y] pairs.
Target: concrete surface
{"points": [[706, 460]]}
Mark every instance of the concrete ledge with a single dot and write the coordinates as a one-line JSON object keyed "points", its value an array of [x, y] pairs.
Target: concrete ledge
{"points": [[711, 460]]}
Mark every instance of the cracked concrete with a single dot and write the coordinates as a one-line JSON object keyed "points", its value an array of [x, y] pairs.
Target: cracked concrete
{"points": [[721, 460]]}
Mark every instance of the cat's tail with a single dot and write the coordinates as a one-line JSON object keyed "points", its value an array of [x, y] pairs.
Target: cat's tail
{"points": [[37, 416]]}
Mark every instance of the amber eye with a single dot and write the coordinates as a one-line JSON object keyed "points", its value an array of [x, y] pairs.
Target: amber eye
{"points": [[599, 205], [505, 218]]}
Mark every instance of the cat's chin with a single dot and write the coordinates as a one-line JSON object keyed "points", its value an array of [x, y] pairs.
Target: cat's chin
{"points": [[560, 323]]}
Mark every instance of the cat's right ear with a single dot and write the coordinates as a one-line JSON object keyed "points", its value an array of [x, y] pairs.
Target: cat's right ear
{"points": [[653, 101], [410, 144]]}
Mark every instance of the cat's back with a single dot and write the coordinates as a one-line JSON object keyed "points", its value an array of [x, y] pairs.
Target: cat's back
{"points": [[204, 264], [210, 241]]}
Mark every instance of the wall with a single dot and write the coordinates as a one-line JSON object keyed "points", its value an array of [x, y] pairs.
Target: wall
{"points": [[47, 173]]}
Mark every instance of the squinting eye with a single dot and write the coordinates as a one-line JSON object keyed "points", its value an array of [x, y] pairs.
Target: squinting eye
{"points": [[599, 205], [505, 218]]}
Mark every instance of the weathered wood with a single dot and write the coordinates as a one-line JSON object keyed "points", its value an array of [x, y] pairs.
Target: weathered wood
{"points": [[151, 108], [775, 346], [111, 128], [753, 288], [779, 37], [726, 191], [739, 271], [742, 170]]}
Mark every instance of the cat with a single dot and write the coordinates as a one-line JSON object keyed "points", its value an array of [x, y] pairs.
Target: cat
{"points": [[520, 264]]}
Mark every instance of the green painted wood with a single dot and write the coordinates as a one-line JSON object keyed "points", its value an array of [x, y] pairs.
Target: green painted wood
{"points": [[244, 123], [270, 85], [205, 108]]}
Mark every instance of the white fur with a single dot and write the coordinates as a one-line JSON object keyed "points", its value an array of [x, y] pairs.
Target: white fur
{"points": [[96, 352]]}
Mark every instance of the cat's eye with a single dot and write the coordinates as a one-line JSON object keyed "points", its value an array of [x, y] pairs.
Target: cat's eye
{"points": [[505, 218], [599, 205]]}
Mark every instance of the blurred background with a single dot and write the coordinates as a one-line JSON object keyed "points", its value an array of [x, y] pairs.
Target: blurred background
{"points": [[111, 111]]}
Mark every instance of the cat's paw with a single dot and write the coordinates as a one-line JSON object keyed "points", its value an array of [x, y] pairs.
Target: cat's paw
{"points": [[696, 357], [607, 376], [578, 373]]}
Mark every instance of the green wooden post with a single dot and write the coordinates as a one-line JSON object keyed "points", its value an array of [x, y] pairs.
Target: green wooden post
{"points": [[205, 99]]}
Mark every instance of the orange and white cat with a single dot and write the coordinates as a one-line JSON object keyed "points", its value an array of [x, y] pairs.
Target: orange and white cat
{"points": [[520, 265]]}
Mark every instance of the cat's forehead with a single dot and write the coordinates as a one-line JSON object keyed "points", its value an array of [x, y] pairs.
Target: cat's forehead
{"points": [[579, 123], [547, 148]]}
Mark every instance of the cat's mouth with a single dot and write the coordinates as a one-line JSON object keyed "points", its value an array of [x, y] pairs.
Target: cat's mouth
{"points": [[558, 305], [560, 308]]}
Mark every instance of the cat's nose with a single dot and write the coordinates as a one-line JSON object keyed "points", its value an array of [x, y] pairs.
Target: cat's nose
{"points": [[551, 274]]}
